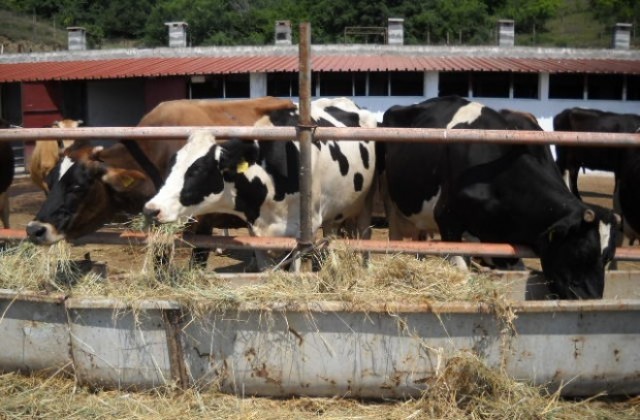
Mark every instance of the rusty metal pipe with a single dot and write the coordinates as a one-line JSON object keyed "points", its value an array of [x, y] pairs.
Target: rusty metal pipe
{"points": [[285, 243], [429, 135], [305, 138]]}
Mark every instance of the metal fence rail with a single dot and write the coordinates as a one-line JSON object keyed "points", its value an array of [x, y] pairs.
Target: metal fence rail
{"points": [[330, 133], [285, 244], [387, 134]]}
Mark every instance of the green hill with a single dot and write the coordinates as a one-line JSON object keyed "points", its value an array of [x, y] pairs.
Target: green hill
{"points": [[572, 27], [20, 33]]}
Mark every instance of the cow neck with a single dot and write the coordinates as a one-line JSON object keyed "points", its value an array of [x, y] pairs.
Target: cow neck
{"points": [[145, 163]]}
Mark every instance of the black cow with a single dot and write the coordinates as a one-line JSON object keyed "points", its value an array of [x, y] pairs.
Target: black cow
{"points": [[7, 168], [570, 159], [497, 193]]}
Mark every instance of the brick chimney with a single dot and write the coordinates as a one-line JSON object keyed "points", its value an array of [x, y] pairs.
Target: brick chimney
{"points": [[283, 32], [622, 36], [177, 34], [395, 31], [77, 38], [506, 33]]}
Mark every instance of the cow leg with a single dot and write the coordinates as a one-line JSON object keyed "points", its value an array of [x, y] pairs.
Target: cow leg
{"points": [[199, 256], [451, 231], [623, 229], [4, 206]]}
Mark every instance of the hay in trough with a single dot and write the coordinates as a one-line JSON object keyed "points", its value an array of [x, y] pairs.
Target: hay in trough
{"points": [[343, 276], [466, 388]]}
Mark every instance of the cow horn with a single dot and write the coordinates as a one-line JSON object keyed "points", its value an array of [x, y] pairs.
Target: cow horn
{"points": [[589, 216]]}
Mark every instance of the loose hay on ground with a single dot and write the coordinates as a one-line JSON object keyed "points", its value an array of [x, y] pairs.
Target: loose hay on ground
{"points": [[465, 389]]}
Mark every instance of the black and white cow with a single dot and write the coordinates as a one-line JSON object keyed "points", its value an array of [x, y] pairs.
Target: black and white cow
{"points": [[497, 193], [258, 180], [571, 159]]}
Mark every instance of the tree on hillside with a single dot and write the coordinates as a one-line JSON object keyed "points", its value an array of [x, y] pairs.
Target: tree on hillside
{"points": [[610, 12], [442, 21], [529, 15]]}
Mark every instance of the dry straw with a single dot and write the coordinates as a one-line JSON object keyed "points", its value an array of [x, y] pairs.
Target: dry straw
{"points": [[466, 388]]}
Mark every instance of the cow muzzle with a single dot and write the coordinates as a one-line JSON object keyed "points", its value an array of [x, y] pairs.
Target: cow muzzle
{"points": [[43, 233], [151, 215]]}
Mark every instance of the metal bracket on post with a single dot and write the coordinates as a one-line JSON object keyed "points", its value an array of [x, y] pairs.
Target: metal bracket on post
{"points": [[304, 133]]}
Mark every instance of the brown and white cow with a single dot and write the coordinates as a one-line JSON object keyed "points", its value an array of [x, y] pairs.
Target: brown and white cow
{"points": [[94, 183], [47, 153]]}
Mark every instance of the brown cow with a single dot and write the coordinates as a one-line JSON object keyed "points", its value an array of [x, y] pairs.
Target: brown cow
{"points": [[98, 183], [46, 154]]}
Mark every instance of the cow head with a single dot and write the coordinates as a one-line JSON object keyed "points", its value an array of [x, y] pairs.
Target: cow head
{"points": [[85, 194], [575, 250], [198, 178]]}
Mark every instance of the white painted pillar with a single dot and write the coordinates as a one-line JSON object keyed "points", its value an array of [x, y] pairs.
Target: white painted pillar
{"points": [[431, 82], [543, 86], [257, 84]]}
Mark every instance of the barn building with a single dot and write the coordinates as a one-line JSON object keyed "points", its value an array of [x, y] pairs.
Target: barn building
{"points": [[116, 87]]}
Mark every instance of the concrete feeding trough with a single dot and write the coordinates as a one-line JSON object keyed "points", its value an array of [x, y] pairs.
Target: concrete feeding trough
{"points": [[325, 348]]}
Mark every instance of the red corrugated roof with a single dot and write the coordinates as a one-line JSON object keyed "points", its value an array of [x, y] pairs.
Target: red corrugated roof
{"points": [[185, 66]]}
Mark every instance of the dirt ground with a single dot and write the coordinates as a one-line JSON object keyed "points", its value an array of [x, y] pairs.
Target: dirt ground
{"points": [[26, 199]]}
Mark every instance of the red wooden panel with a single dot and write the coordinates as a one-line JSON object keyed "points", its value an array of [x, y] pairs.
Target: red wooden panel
{"points": [[162, 89], [41, 103]]}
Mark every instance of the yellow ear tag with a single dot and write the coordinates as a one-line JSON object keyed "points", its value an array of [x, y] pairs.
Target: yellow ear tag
{"points": [[242, 167], [551, 232], [127, 181]]}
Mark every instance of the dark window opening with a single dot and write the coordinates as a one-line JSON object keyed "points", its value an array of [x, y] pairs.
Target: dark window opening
{"points": [[491, 84], [378, 83], [407, 83], [453, 83], [237, 86], [359, 83], [74, 100], [633, 88], [222, 86], [566, 86], [336, 83], [525, 85], [210, 88], [282, 84], [605, 86]]}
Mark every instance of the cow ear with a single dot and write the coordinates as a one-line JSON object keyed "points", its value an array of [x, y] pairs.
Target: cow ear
{"points": [[123, 180], [557, 231], [95, 153], [237, 155]]}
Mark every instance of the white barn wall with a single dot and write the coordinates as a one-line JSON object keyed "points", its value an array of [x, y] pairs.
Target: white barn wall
{"points": [[544, 110]]}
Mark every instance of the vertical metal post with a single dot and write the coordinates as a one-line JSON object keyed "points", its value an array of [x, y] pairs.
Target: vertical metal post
{"points": [[304, 138]]}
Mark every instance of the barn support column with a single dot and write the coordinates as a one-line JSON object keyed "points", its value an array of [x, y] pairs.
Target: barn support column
{"points": [[543, 86], [257, 85], [431, 81]]}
